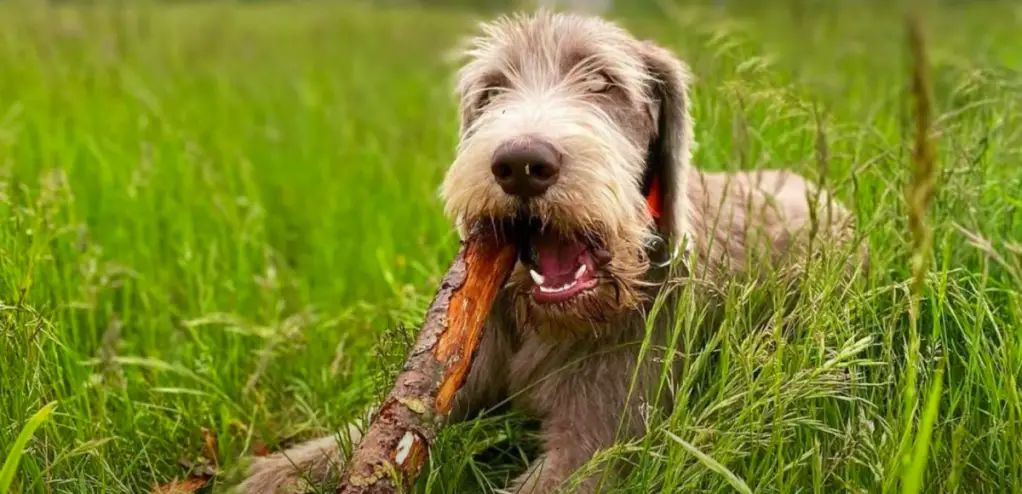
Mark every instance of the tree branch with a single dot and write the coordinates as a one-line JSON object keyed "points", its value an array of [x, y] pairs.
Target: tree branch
{"points": [[396, 444]]}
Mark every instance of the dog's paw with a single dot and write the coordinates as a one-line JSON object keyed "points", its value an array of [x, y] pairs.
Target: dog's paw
{"points": [[301, 469], [272, 478]]}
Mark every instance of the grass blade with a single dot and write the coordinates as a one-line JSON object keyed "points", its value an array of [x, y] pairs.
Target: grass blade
{"points": [[18, 448], [913, 480], [713, 465]]}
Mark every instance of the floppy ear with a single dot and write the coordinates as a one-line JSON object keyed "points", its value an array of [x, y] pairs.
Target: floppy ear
{"points": [[466, 92], [466, 82], [670, 150], [470, 90], [467, 102]]}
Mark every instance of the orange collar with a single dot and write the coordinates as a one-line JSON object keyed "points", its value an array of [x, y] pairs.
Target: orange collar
{"points": [[653, 200]]}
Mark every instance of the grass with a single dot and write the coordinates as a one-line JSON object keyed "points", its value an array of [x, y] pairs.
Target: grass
{"points": [[223, 217]]}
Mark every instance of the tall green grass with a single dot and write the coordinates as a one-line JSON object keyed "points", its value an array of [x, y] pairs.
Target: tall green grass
{"points": [[224, 217]]}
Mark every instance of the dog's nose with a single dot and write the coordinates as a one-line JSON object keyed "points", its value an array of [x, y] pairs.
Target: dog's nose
{"points": [[526, 168]]}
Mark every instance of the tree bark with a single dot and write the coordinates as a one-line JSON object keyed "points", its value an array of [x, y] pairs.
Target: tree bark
{"points": [[396, 444]]}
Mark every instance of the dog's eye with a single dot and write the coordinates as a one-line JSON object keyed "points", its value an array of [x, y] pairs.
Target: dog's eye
{"points": [[596, 82], [487, 95]]}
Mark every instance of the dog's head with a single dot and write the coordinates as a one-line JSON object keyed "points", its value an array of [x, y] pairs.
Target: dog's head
{"points": [[580, 135]]}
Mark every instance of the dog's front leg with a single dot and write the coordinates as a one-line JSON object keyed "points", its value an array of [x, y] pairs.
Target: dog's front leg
{"points": [[568, 444], [583, 412], [320, 462]]}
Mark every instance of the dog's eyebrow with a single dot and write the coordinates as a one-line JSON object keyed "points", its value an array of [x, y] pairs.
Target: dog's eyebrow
{"points": [[588, 61], [493, 79], [574, 53]]}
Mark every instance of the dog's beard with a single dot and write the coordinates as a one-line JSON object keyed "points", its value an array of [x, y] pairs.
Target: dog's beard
{"points": [[586, 314]]}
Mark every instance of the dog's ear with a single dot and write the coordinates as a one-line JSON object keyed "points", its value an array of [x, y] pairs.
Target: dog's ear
{"points": [[670, 149], [466, 84], [468, 103], [474, 92]]}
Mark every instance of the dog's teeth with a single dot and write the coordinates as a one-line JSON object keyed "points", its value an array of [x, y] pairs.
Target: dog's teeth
{"points": [[580, 271], [538, 278], [557, 289]]}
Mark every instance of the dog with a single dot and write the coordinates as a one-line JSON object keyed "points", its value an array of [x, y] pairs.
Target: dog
{"points": [[582, 136]]}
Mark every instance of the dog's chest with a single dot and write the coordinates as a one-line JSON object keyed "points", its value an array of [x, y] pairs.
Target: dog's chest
{"points": [[537, 370], [546, 377]]}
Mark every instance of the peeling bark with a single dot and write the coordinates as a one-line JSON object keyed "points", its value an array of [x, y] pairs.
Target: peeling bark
{"points": [[396, 444]]}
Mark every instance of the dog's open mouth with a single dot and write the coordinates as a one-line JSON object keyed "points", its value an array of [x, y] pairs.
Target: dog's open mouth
{"points": [[561, 265]]}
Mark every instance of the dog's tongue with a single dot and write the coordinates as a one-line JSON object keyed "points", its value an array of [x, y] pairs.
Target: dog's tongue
{"points": [[557, 255]]}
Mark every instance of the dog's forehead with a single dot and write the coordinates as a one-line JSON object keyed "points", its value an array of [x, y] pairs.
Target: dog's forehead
{"points": [[553, 43]]}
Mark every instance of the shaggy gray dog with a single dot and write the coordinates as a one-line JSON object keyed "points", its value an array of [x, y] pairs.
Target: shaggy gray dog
{"points": [[582, 135]]}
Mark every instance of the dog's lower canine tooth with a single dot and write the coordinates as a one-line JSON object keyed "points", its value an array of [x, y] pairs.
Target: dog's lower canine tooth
{"points": [[538, 278], [580, 271]]}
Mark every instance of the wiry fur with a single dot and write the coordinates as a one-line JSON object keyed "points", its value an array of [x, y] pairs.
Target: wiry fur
{"points": [[571, 365]]}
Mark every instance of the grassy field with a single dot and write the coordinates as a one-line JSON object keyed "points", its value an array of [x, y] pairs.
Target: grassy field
{"points": [[223, 218]]}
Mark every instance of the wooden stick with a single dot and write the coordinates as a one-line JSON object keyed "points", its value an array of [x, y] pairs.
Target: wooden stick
{"points": [[396, 444]]}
